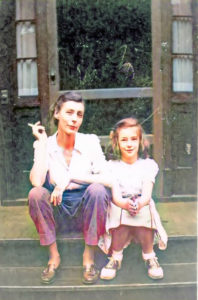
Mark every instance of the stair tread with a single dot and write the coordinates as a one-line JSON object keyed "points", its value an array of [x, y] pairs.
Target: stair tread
{"points": [[178, 218], [22, 261], [70, 278], [30, 254]]}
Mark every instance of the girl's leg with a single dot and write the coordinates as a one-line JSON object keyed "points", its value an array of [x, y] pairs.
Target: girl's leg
{"points": [[120, 236], [145, 237]]}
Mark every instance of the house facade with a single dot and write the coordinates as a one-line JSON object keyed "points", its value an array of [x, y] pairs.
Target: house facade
{"points": [[29, 84]]}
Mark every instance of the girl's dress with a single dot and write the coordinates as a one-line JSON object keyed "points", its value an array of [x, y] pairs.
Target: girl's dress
{"points": [[130, 178]]}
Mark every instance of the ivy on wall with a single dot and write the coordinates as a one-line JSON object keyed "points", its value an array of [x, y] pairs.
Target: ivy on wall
{"points": [[101, 115], [106, 44], [103, 43]]}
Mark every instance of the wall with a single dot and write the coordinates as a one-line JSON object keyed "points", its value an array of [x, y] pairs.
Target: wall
{"points": [[15, 136]]}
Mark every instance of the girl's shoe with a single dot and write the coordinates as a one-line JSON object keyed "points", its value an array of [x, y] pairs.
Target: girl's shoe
{"points": [[155, 271], [109, 271]]}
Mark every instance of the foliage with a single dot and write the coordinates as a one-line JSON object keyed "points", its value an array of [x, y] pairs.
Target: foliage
{"points": [[101, 116], [106, 44], [103, 42]]}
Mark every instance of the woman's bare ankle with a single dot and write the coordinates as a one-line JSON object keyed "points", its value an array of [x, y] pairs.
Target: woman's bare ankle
{"points": [[55, 261], [88, 255], [54, 256]]}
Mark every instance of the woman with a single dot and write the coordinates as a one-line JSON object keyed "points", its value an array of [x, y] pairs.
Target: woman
{"points": [[55, 158]]}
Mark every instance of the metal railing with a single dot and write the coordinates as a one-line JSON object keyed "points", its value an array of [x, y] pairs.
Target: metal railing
{"points": [[115, 93]]}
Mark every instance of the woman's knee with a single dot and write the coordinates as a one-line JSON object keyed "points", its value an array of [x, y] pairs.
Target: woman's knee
{"points": [[38, 194], [96, 188], [97, 194]]}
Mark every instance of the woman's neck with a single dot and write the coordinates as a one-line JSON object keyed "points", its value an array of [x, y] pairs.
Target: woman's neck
{"points": [[65, 140]]}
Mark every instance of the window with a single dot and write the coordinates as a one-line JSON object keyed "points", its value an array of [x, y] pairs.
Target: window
{"points": [[26, 48], [182, 54]]}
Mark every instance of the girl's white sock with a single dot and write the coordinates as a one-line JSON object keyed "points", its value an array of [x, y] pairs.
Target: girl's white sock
{"points": [[117, 255], [148, 255]]}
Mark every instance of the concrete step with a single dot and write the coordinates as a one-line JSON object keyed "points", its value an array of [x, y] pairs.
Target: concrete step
{"points": [[28, 252], [130, 283], [21, 262]]}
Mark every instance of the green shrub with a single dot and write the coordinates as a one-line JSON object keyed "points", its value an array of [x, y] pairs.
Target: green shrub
{"points": [[101, 42], [101, 115]]}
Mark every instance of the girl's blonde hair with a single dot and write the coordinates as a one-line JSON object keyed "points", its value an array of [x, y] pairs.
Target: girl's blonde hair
{"points": [[125, 123]]}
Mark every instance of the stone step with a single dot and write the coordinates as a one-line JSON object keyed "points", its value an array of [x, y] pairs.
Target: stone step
{"points": [[131, 274], [131, 283], [21, 262], [28, 252]]}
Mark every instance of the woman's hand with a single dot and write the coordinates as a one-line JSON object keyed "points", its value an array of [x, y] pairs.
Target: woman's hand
{"points": [[56, 196], [38, 131]]}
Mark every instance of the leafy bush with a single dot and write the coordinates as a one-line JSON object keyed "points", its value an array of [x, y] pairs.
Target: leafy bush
{"points": [[101, 115], [103, 42]]}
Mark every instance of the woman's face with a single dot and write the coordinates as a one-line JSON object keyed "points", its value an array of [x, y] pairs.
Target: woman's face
{"points": [[129, 142], [70, 117]]}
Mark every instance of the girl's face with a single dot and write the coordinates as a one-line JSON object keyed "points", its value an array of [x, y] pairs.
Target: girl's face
{"points": [[70, 117], [129, 142]]}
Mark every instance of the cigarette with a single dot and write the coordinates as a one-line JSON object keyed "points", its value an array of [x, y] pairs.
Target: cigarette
{"points": [[30, 124]]}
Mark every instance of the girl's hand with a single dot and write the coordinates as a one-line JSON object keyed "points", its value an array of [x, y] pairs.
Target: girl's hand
{"points": [[133, 207], [56, 196], [38, 131]]}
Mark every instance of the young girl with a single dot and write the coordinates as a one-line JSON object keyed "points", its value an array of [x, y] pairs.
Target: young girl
{"points": [[132, 215]]}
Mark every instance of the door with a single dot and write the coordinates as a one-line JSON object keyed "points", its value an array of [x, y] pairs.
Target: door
{"points": [[175, 97]]}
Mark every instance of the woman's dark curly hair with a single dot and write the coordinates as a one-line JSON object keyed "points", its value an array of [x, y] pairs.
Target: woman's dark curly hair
{"points": [[68, 96]]}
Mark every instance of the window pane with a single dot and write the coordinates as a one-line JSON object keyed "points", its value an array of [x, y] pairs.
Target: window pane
{"points": [[26, 40], [182, 37], [181, 7], [25, 10], [182, 75], [27, 78]]}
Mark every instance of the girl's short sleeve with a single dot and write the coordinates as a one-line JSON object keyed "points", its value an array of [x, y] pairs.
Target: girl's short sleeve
{"points": [[150, 169]]}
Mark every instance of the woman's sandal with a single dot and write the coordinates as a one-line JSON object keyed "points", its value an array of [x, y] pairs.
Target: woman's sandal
{"points": [[49, 274]]}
